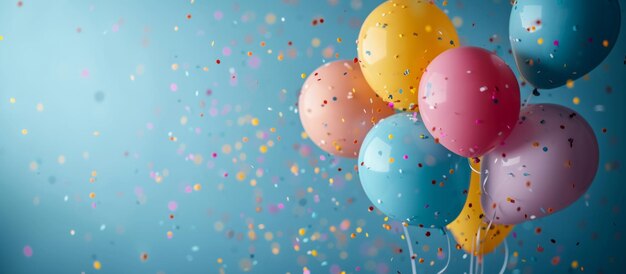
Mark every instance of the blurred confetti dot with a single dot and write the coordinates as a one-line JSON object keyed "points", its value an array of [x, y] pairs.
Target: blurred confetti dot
{"points": [[28, 251]]}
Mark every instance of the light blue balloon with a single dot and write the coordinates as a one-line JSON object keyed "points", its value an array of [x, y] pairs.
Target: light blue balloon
{"points": [[408, 176], [558, 40]]}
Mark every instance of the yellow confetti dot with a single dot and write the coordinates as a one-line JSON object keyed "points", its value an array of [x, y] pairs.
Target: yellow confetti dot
{"points": [[303, 75], [348, 176], [457, 21], [390, 136], [97, 265], [1, 37], [339, 40], [428, 28], [92, 195], [197, 187], [275, 249], [219, 260], [301, 231], [294, 169], [241, 176], [33, 166], [574, 264], [391, 160], [315, 42], [12, 100], [314, 253], [226, 149], [576, 100], [255, 121], [24, 131], [605, 43], [569, 83], [263, 148], [540, 41], [270, 18], [174, 66]]}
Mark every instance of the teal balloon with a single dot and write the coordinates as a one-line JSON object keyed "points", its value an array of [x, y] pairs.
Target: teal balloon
{"points": [[554, 41], [408, 176]]}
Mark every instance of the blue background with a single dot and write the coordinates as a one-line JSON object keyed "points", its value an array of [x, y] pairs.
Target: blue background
{"points": [[102, 73]]}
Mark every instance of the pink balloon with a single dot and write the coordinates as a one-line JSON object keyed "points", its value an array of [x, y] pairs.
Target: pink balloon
{"points": [[337, 108], [546, 164], [469, 100]]}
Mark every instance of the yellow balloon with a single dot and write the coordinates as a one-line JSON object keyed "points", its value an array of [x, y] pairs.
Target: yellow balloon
{"points": [[465, 227], [396, 43]]}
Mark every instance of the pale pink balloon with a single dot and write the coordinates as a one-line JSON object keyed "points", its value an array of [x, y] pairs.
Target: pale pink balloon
{"points": [[547, 163], [469, 100], [337, 108]]}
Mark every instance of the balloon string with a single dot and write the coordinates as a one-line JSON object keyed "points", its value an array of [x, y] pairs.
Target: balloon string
{"points": [[484, 191], [472, 168], [471, 270], [447, 254], [506, 257], [477, 248], [408, 241]]}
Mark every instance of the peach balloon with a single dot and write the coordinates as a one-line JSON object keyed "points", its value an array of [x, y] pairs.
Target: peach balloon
{"points": [[337, 108]]}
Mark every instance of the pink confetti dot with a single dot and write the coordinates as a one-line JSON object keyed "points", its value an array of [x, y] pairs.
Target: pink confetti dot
{"points": [[28, 251], [172, 205], [226, 51], [173, 87], [218, 15], [254, 62]]}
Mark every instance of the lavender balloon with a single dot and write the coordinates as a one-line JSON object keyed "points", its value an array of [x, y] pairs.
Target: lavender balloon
{"points": [[546, 164]]}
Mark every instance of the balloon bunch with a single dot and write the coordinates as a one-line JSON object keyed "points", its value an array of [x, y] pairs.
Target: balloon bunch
{"points": [[534, 161]]}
